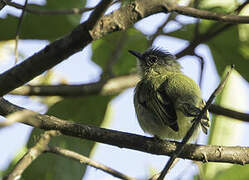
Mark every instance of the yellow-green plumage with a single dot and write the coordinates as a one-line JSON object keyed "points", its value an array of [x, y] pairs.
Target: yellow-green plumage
{"points": [[166, 101]]}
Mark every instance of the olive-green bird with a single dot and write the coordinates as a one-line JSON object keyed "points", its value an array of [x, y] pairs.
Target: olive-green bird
{"points": [[166, 101]]}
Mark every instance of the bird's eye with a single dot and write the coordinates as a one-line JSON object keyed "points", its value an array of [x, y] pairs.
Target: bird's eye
{"points": [[153, 59]]}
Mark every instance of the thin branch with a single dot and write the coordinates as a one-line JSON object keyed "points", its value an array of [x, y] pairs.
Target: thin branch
{"points": [[203, 14], [196, 122], [210, 153], [189, 50], [18, 30], [3, 4], [211, 32], [18, 116], [229, 113], [240, 7], [202, 63], [49, 12], [111, 86], [31, 155], [85, 160], [159, 31]]}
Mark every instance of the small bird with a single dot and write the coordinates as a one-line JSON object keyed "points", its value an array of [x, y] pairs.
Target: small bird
{"points": [[166, 101]]}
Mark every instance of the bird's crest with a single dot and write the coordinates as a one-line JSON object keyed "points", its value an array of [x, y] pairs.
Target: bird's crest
{"points": [[158, 52]]}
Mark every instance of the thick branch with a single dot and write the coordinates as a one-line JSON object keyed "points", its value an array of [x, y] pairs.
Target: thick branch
{"points": [[121, 19], [236, 154]]}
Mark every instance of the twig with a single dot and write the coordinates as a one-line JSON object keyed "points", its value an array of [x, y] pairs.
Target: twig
{"points": [[228, 112], [229, 154], [18, 116], [240, 7], [31, 155], [201, 39], [49, 12], [86, 160], [194, 126], [188, 11], [202, 63], [2, 4], [18, 30], [160, 28]]}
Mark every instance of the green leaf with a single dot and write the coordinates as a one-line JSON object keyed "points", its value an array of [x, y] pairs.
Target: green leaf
{"points": [[220, 6], [89, 110], [232, 173], [48, 27], [119, 43], [227, 49]]}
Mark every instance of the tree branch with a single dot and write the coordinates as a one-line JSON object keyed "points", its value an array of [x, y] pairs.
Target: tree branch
{"points": [[31, 155], [48, 12], [229, 154], [3, 4], [52, 54], [83, 159], [229, 113], [18, 30], [18, 116], [211, 32], [111, 86], [203, 14]]}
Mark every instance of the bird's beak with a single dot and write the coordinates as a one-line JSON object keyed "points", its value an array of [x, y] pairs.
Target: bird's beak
{"points": [[137, 54]]}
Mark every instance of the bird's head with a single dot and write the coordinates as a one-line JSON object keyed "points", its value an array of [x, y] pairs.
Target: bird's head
{"points": [[155, 60]]}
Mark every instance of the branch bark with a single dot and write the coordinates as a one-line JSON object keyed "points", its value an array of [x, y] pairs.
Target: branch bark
{"points": [[83, 34], [229, 154]]}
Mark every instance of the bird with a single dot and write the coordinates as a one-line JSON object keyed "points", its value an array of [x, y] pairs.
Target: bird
{"points": [[166, 100]]}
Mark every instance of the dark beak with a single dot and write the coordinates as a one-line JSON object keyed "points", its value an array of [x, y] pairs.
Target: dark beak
{"points": [[137, 54]]}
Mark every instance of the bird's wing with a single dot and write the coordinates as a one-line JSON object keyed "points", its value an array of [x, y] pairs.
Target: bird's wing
{"points": [[160, 105]]}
